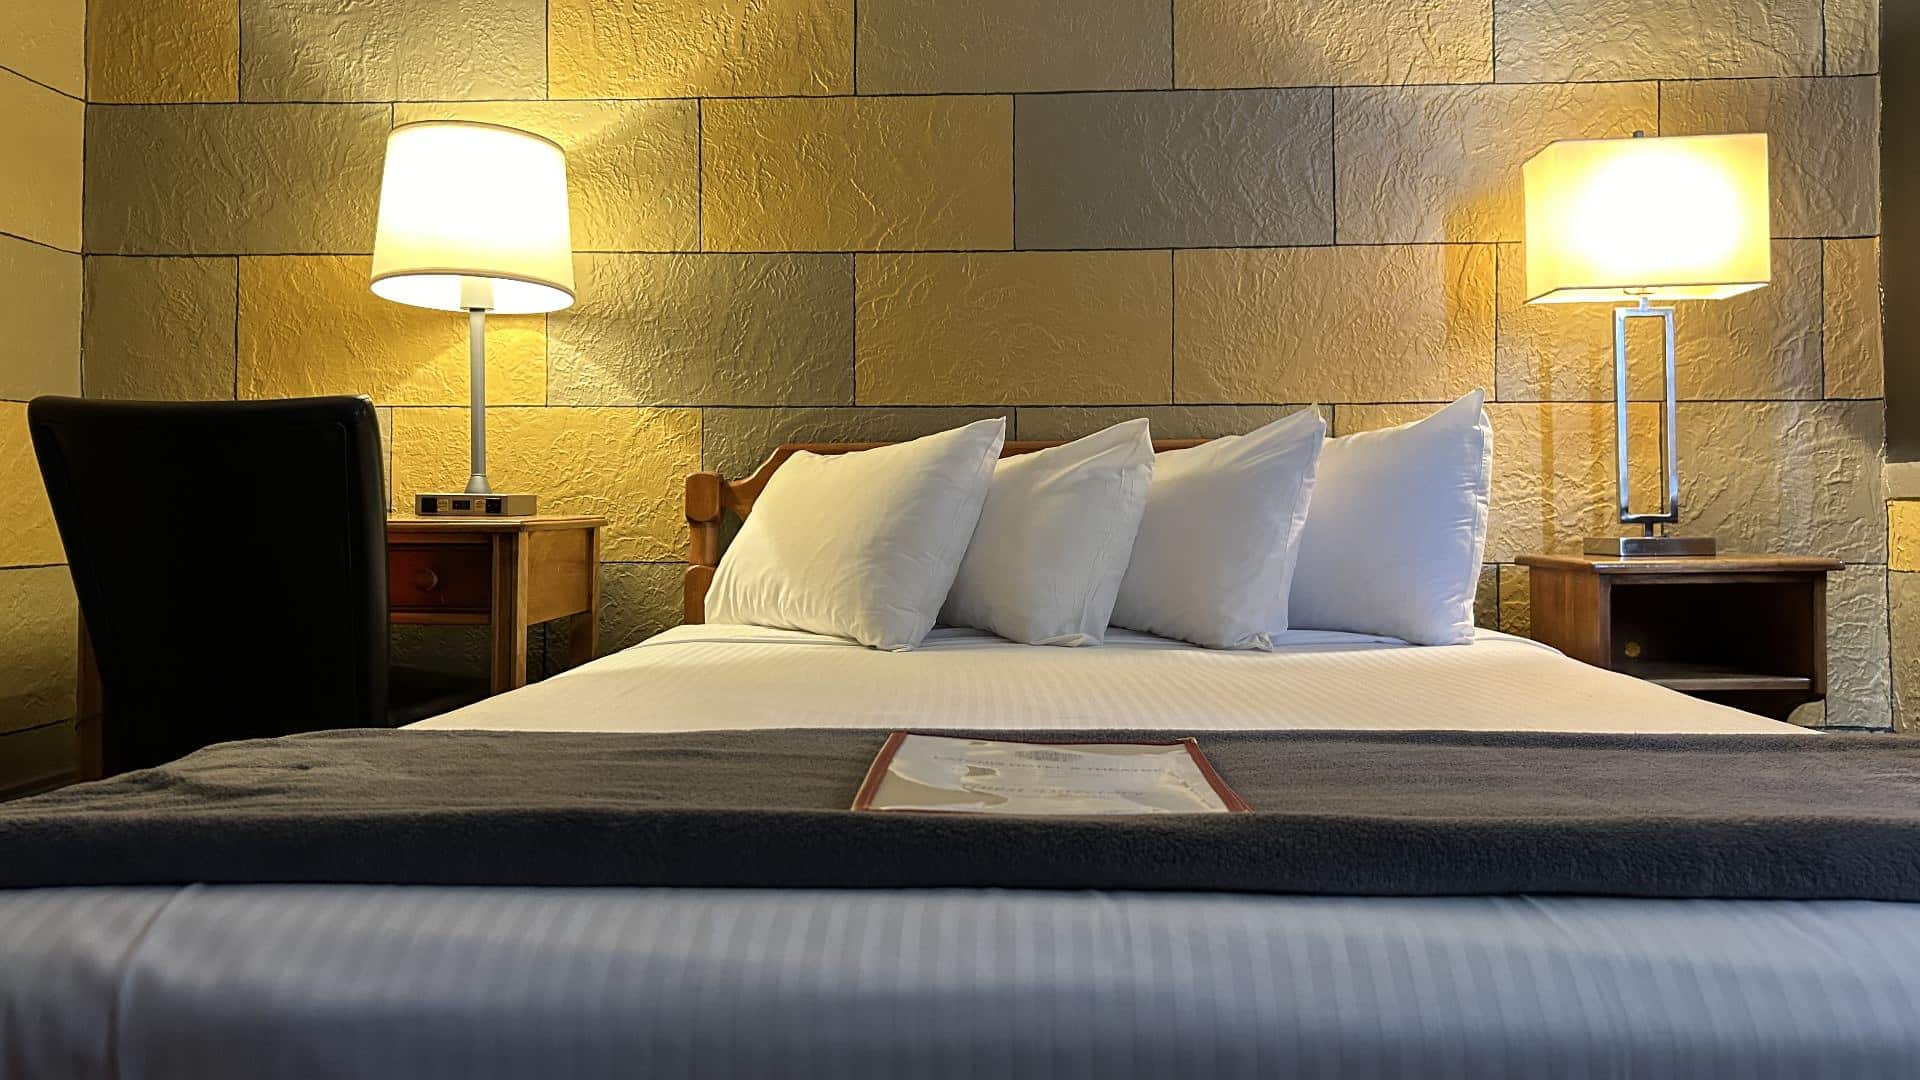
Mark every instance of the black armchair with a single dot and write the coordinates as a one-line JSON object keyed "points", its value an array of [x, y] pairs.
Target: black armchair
{"points": [[230, 563]]}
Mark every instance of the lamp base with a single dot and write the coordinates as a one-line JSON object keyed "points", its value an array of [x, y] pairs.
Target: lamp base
{"points": [[1646, 547], [466, 505]]}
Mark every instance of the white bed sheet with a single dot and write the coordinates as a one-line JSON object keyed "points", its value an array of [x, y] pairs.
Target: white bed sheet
{"points": [[737, 677], [323, 981]]}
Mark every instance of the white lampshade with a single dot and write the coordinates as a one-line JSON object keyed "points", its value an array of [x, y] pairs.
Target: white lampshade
{"points": [[1677, 218], [473, 216]]}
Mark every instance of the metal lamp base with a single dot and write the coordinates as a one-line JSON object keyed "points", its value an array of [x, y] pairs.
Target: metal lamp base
{"points": [[1644, 547], [492, 504], [479, 500]]}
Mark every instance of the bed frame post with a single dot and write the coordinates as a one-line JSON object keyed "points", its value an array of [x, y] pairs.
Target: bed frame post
{"points": [[703, 543]]}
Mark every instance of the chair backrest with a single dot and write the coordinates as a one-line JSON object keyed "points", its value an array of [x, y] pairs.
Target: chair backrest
{"points": [[230, 563]]}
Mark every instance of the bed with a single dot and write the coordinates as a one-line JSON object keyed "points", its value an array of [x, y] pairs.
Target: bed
{"points": [[476, 980]]}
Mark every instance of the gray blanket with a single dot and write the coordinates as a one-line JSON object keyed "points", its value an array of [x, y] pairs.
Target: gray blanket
{"points": [[1387, 813]]}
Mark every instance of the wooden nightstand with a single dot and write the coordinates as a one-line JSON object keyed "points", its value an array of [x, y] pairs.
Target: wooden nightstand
{"points": [[502, 573], [1748, 631]]}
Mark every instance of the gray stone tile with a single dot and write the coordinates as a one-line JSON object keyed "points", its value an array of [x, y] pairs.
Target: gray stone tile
{"points": [[938, 46], [1858, 691], [1317, 43], [705, 330], [1797, 478], [431, 49], [637, 601], [1176, 169], [1166, 421], [735, 441], [1438, 163]]}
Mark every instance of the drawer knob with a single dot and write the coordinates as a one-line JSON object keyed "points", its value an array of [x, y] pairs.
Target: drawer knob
{"points": [[425, 579]]}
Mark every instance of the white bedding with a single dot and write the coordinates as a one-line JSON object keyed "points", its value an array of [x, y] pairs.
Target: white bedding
{"points": [[326, 981], [722, 676]]}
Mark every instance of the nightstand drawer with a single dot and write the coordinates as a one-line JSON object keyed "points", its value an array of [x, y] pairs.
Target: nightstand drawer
{"points": [[440, 577]]}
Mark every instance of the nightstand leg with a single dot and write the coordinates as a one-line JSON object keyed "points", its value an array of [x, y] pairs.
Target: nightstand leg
{"points": [[583, 634], [507, 616]]}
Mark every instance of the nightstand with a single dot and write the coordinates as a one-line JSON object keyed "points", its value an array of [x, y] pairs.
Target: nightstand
{"points": [[505, 574], [1748, 631]]}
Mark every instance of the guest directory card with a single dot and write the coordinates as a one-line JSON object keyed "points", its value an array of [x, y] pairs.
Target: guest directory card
{"points": [[946, 774]]}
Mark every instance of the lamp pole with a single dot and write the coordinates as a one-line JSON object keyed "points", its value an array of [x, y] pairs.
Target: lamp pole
{"points": [[477, 415]]}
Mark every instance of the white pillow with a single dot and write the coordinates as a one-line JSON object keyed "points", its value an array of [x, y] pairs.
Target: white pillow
{"points": [[1054, 537], [861, 545], [1399, 524], [1216, 547]]}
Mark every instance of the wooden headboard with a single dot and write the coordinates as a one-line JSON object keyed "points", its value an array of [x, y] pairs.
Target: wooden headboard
{"points": [[711, 497]]}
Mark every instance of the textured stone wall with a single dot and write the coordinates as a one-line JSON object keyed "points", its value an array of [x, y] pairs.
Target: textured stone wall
{"points": [[796, 218], [1903, 598], [42, 102]]}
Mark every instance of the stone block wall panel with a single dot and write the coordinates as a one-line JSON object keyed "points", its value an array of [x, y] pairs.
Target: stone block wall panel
{"points": [[816, 220]]}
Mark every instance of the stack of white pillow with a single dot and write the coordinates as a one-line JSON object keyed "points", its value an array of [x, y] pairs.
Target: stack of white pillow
{"points": [[1227, 544]]}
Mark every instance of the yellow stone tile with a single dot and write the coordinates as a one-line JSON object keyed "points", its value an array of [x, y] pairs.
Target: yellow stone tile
{"points": [[388, 49], [233, 179], [1823, 144], [1486, 598], [1016, 327], [1553, 469], [160, 329], [1855, 356], [1903, 534], [1903, 596], [916, 47], [40, 170], [1853, 37], [1437, 163], [1762, 344], [625, 464], [1314, 43], [1553, 41], [309, 324], [1516, 601], [181, 50], [45, 40], [39, 320], [27, 533], [699, 48], [858, 174], [39, 634], [36, 759], [633, 167], [1333, 324], [705, 330]]}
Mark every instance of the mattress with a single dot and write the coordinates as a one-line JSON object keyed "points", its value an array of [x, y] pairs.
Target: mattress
{"points": [[297, 981], [719, 676]]}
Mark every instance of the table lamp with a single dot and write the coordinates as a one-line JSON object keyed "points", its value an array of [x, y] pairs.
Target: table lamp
{"points": [[473, 218], [1641, 220]]}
